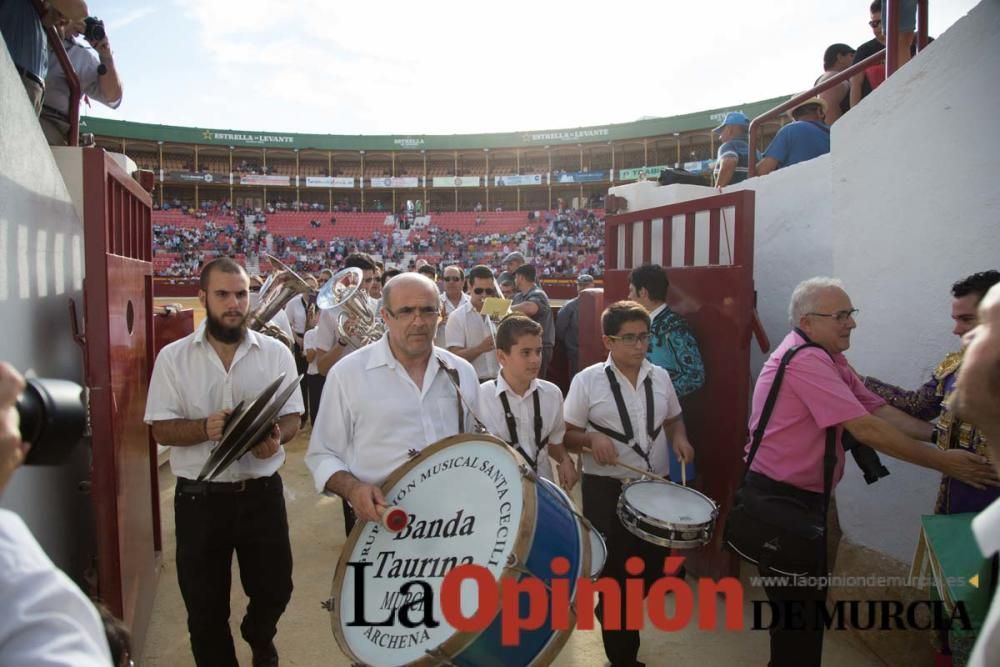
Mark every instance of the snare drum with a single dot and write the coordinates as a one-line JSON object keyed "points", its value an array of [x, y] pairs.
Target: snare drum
{"points": [[667, 514], [470, 499]]}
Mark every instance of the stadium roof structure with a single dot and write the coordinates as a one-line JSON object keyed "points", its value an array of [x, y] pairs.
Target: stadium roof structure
{"points": [[699, 120]]}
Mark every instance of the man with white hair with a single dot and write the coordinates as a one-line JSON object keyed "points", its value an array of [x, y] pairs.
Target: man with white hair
{"points": [[408, 399], [821, 396]]}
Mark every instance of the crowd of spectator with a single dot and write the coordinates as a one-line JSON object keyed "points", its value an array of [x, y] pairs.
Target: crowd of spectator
{"points": [[568, 242]]}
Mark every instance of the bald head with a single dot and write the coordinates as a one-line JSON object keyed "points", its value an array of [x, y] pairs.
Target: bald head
{"points": [[407, 282]]}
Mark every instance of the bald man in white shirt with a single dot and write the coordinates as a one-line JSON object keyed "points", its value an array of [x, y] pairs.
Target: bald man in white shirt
{"points": [[408, 399]]}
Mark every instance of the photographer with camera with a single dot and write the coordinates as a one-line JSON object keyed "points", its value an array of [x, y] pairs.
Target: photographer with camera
{"points": [[806, 398], [47, 621], [94, 65]]}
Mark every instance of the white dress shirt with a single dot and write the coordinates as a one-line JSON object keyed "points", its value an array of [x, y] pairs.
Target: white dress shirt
{"points": [[523, 408], [372, 414], [449, 308], [190, 382], [986, 528], [309, 343], [590, 399], [466, 327], [46, 620], [296, 311]]}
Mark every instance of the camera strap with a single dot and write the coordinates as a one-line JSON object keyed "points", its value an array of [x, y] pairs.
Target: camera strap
{"points": [[830, 454]]}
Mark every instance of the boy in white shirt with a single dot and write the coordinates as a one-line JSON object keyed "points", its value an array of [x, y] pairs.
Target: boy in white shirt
{"points": [[522, 410]]}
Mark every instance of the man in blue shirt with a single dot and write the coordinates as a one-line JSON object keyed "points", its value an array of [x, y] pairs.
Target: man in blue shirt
{"points": [[805, 138], [731, 163]]}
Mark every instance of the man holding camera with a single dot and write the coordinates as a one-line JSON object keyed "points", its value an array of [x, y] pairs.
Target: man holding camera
{"points": [[820, 391], [95, 67], [46, 619]]}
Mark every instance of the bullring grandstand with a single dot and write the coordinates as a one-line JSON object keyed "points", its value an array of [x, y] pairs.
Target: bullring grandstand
{"points": [[465, 199]]}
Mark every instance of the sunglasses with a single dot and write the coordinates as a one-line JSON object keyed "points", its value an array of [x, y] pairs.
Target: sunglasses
{"points": [[484, 290], [876, 23], [452, 279]]}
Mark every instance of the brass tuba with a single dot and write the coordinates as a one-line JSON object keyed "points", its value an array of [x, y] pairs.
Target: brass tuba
{"points": [[357, 321], [281, 286]]}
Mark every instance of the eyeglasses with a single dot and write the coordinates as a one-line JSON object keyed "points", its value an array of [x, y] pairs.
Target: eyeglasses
{"points": [[632, 339], [452, 279], [840, 316], [410, 313], [484, 290], [876, 23]]}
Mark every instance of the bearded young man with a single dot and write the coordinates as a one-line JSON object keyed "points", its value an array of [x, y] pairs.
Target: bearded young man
{"points": [[195, 384]]}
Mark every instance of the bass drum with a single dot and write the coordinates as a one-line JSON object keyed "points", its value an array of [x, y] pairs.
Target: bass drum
{"points": [[470, 499]]}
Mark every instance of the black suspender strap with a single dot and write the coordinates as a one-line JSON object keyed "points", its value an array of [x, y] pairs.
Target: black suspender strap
{"points": [[512, 429], [453, 375], [829, 455], [628, 436]]}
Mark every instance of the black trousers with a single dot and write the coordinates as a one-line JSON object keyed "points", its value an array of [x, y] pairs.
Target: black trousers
{"points": [[600, 502], [801, 645], [315, 384], [213, 520], [546, 360], [301, 366]]}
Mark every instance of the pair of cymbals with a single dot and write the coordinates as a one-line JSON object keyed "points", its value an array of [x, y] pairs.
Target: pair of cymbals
{"points": [[246, 428]]}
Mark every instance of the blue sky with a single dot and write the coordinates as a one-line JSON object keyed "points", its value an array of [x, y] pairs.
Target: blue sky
{"points": [[330, 66]]}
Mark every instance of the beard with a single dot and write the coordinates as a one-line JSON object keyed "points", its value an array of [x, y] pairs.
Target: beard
{"points": [[220, 331]]}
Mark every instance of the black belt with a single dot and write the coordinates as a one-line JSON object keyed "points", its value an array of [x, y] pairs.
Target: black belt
{"points": [[29, 74], [55, 112], [205, 488]]}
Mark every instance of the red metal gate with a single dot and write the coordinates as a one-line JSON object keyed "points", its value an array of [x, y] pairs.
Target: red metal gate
{"points": [[706, 245], [118, 328]]}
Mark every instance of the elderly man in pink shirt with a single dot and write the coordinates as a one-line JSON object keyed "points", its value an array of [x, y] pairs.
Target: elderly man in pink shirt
{"points": [[819, 391]]}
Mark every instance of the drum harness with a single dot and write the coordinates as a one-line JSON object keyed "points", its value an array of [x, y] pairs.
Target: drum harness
{"points": [[512, 428], [628, 437], [531, 472]]}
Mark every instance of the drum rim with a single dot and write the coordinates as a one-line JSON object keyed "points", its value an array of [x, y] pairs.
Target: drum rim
{"points": [[659, 523], [705, 530], [459, 641]]}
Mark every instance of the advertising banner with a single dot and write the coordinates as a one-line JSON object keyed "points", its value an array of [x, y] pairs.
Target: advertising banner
{"points": [[650, 173], [456, 181], [194, 177], [396, 182], [524, 179], [580, 176], [263, 179], [329, 181]]}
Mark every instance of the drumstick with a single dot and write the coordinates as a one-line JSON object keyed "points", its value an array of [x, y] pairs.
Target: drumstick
{"points": [[642, 472], [392, 518], [684, 473]]}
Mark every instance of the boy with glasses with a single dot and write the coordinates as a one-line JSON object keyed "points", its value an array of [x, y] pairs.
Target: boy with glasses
{"points": [[467, 332], [623, 409]]}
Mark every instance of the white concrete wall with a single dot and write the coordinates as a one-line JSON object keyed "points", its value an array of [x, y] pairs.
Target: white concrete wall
{"points": [[915, 206], [41, 268], [905, 204]]}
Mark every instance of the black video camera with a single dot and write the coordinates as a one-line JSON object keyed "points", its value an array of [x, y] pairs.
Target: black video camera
{"points": [[53, 419], [93, 30], [866, 458]]}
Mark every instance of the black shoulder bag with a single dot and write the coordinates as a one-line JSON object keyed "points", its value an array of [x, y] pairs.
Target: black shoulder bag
{"points": [[775, 525]]}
